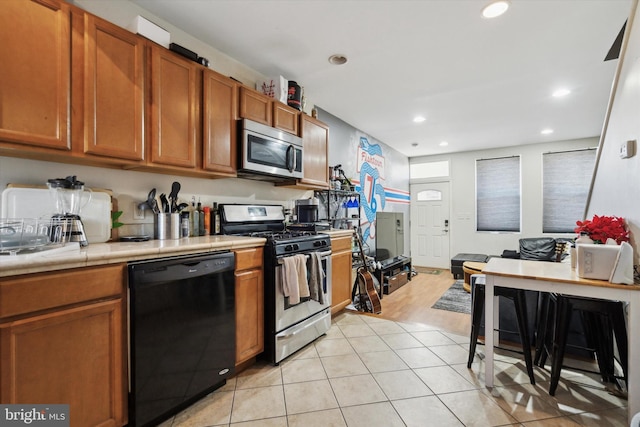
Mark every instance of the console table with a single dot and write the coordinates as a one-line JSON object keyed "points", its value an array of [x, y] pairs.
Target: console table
{"points": [[559, 277], [393, 273]]}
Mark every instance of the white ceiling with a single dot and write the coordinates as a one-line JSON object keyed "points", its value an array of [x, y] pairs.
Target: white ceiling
{"points": [[480, 83]]}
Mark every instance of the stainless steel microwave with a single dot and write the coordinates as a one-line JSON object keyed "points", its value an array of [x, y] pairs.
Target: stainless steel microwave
{"points": [[268, 153]]}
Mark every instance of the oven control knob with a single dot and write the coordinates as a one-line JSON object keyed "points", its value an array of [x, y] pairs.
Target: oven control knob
{"points": [[320, 243], [290, 248]]}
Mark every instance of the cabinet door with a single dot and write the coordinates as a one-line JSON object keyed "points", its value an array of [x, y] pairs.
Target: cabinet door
{"points": [[341, 283], [255, 106], [315, 137], [285, 118], [113, 91], [174, 107], [35, 74], [249, 314], [220, 115], [72, 356]]}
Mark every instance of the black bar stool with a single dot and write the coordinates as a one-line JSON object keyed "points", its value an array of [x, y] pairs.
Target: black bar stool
{"points": [[601, 319], [518, 297]]}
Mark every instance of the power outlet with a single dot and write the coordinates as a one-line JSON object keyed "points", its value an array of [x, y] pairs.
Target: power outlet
{"points": [[138, 213], [628, 149]]}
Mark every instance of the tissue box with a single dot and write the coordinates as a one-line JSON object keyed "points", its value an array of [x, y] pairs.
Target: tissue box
{"points": [[151, 31], [597, 261], [275, 88]]}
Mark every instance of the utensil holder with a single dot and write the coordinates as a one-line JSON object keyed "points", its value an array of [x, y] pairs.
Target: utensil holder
{"points": [[166, 226]]}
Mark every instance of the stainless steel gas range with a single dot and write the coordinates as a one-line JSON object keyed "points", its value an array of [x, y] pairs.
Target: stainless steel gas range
{"points": [[297, 309]]}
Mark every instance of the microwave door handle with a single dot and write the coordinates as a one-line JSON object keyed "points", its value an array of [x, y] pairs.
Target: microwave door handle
{"points": [[291, 160]]}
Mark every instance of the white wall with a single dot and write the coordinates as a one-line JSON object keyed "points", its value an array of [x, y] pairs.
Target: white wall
{"points": [[616, 189], [463, 234]]}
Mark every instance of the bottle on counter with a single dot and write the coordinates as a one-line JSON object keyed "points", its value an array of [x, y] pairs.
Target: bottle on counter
{"points": [[215, 219], [200, 219], [195, 220], [206, 215], [185, 230]]}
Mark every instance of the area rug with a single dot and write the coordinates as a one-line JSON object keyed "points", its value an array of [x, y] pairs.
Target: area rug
{"points": [[455, 299]]}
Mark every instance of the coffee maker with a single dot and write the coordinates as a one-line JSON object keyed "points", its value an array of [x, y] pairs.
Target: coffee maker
{"points": [[68, 194]]}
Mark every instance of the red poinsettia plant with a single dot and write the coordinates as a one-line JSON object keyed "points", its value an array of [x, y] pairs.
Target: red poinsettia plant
{"points": [[601, 228]]}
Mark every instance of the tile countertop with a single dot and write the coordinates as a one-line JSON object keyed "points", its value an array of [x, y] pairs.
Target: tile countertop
{"points": [[72, 256]]}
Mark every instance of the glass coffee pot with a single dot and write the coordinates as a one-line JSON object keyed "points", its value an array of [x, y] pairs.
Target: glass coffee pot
{"points": [[68, 194]]}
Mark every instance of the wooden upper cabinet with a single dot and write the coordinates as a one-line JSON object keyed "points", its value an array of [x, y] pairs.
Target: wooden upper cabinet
{"points": [[285, 118], [35, 52], [113, 91], [174, 106], [219, 127], [255, 106], [315, 137]]}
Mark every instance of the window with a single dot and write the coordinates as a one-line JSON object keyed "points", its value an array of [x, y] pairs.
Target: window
{"points": [[430, 196], [498, 194], [439, 169], [566, 178]]}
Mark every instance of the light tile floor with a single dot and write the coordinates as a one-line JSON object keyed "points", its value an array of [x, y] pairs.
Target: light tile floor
{"points": [[372, 372]]}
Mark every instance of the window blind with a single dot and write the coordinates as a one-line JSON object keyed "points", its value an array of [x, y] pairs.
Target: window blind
{"points": [[498, 194], [566, 177]]}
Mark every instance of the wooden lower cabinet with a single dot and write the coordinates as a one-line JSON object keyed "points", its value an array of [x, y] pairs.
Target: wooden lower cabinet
{"points": [[341, 282], [249, 304], [72, 354]]}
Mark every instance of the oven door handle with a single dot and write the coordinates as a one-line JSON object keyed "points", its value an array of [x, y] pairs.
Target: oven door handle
{"points": [[324, 254], [297, 331]]}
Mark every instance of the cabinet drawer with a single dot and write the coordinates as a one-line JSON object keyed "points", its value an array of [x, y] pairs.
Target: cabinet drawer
{"points": [[42, 291], [340, 244], [248, 258]]}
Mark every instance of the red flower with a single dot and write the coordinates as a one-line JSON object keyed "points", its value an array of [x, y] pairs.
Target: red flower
{"points": [[600, 228]]}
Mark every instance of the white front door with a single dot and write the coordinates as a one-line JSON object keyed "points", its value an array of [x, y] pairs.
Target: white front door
{"points": [[430, 225]]}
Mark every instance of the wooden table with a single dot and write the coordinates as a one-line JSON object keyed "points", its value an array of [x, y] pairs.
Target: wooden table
{"points": [[560, 278], [469, 268]]}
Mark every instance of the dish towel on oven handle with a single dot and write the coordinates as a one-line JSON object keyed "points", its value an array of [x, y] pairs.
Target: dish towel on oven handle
{"points": [[303, 284], [316, 278], [294, 278]]}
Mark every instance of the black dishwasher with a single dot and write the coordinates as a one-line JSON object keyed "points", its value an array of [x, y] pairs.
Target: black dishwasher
{"points": [[181, 331]]}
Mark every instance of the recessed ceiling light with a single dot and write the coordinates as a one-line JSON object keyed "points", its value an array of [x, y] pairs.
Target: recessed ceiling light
{"points": [[495, 8], [560, 93], [546, 131], [419, 119], [444, 144], [337, 59]]}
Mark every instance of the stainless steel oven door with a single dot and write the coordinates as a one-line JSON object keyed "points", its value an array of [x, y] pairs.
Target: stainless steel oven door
{"points": [[287, 314]]}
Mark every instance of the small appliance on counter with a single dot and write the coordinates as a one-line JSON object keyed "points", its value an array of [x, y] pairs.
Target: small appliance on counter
{"points": [[307, 210], [68, 195], [306, 214]]}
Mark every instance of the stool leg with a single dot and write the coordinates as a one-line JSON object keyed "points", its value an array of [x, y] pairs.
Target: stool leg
{"points": [[476, 318], [563, 316], [600, 337], [523, 326], [620, 331], [541, 326]]}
